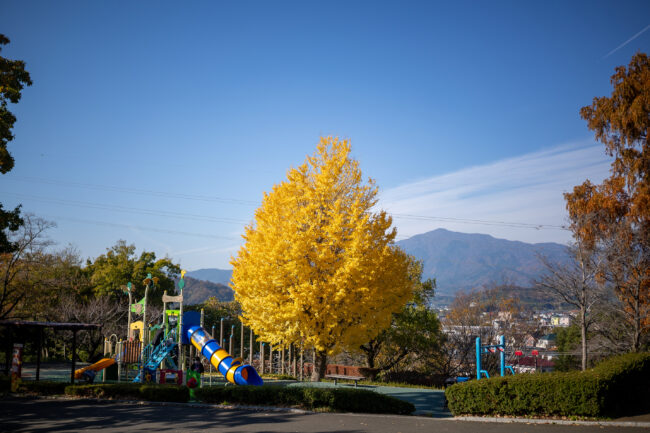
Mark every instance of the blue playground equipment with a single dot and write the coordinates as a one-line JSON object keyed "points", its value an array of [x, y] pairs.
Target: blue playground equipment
{"points": [[492, 348], [233, 369], [180, 329]]}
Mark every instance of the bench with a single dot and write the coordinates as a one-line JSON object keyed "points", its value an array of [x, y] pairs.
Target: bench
{"points": [[338, 377]]}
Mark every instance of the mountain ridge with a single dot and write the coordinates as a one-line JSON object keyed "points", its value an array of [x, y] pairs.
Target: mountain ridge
{"points": [[458, 261], [461, 261]]}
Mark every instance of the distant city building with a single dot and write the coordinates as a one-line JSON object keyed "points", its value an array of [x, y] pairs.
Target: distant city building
{"points": [[547, 341]]}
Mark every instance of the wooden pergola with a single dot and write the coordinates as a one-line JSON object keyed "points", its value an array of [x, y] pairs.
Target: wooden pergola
{"points": [[24, 324]]}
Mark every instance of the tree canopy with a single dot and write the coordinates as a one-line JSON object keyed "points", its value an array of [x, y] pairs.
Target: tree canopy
{"points": [[120, 265], [615, 216], [319, 267], [13, 78]]}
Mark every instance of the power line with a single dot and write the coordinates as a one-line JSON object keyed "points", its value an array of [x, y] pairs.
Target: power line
{"points": [[481, 222], [127, 209], [244, 202], [129, 226], [134, 190]]}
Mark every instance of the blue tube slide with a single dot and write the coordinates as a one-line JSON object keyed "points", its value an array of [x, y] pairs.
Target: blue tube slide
{"points": [[233, 369]]}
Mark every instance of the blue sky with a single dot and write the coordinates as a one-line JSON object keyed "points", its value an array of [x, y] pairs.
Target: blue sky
{"points": [[162, 123]]}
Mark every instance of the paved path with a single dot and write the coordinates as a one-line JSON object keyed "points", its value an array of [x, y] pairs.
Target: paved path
{"points": [[426, 401], [49, 415]]}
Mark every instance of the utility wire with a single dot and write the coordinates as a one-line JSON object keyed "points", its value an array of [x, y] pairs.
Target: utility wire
{"points": [[134, 190], [129, 226], [127, 209], [481, 222], [249, 203]]}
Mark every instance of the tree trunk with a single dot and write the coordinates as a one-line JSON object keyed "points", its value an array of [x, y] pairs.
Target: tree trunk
{"points": [[636, 339], [583, 334], [320, 366]]}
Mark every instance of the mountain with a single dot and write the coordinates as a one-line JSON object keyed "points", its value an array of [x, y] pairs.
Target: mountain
{"points": [[461, 261], [220, 276], [458, 261], [198, 291]]}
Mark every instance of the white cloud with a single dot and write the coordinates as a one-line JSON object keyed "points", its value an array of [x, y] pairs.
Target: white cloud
{"points": [[526, 190]]}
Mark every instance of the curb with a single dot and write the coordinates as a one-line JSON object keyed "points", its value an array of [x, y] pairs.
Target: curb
{"points": [[176, 404], [641, 424], [551, 421]]}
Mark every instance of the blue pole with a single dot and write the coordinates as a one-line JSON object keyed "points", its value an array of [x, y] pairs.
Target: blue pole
{"points": [[478, 358], [502, 355]]}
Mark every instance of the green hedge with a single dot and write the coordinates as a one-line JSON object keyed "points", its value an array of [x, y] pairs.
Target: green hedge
{"points": [[342, 400], [131, 391], [618, 386], [43, 387]]}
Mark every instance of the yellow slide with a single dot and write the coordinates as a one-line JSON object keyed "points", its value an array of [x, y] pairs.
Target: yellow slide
{"points": [[99, 365]]}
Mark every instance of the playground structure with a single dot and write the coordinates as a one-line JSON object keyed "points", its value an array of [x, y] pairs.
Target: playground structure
{"points": [[492, 348], [159, 353]]}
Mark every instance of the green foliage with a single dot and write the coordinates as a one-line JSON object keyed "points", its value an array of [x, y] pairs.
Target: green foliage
{"points": [[568, 339], [214, 310], [44, 387], [415, 330], [13, 78], [616, 387], [11, 221], [131, 391], [173, 393], [279, 376], [342, 400], [120, 265]]}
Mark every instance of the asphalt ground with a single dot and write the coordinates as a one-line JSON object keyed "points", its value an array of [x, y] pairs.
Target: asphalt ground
{"points": [[62, 415], [429, 402]]}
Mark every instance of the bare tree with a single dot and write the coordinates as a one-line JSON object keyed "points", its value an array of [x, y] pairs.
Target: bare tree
{"points": [[627, 269], [108, 312], [16, 267], [577, 284]]}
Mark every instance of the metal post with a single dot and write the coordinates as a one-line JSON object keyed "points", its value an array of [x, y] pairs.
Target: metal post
{"points": [[120, 360], [230, 342], [38, 353], [289, 355], [250, 347], [212, 335], [181, 353], [74, 353], [144, 331], [478, 358], [221, 333], [241, 341], [261, 358], [302, 365], [502, 354], [128, 328]]}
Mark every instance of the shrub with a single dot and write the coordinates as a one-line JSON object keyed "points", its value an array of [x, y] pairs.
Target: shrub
{"points": [[344, 400], [44, 387], [615, 387], [279, 377], [180, 394], [131, 391], [5, 383]]}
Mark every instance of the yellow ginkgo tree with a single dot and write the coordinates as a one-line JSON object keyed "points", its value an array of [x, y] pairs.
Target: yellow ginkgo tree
{"points": [[319, 266]]}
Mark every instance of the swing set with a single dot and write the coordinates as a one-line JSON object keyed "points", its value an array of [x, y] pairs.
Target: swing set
{"points": [[492, 348]]}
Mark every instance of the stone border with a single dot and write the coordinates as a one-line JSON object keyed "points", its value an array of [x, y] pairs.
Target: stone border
{"points": [[642, 424], [552, 421]]}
